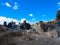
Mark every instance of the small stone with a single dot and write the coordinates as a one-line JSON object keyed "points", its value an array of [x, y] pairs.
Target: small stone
{"points": [[51, 41], [45, 39], [36, 38]]}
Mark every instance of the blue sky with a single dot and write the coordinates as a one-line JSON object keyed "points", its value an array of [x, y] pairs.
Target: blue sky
{"points": [[31, 10]]}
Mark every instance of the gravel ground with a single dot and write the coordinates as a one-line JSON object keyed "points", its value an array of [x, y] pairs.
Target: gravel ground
{"points": [[35, 41], [41, 39]]}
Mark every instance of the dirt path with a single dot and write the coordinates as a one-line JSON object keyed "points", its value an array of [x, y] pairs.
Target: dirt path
{"points": [[35, 41]]}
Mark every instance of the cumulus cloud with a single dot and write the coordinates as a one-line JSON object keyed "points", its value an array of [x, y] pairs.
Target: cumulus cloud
{"points": [[23, 20], [58, 3], [31, 15], [26, 21], [15, 7], [7, 4], [2, 19]]}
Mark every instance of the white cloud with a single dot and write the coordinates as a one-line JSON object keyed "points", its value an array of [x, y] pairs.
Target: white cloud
{"points": [[7, 4], [15, 7], [23, 20], [58, 3], [31, 22], [31, 15], [2, 19]]}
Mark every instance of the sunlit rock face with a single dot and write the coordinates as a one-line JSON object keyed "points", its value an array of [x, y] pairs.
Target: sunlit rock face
{"points": [[58, 15]]}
